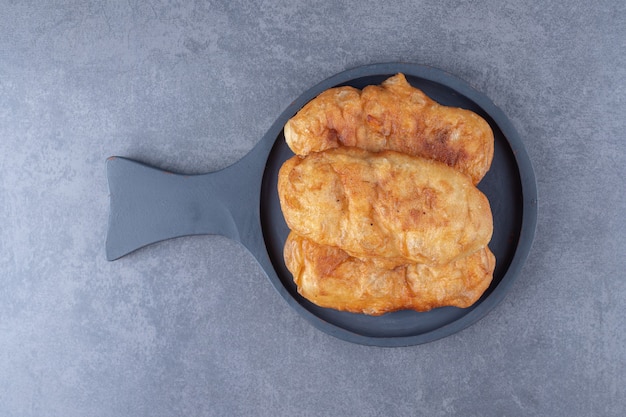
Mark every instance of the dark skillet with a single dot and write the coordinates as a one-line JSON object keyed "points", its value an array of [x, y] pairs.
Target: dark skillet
{"points": [[241, 202]]}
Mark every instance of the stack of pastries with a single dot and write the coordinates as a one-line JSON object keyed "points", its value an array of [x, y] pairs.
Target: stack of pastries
{"points": [[382, 203]]}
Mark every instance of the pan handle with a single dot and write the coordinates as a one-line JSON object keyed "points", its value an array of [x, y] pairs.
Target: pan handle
{"points": [[148, 205]]}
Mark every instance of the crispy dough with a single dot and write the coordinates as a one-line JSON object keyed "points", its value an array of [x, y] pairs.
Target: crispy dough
{"points": [[384, 204], [393, 116], [329, 277]]}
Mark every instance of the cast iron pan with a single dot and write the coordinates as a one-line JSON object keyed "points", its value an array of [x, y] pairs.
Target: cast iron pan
{"points": [[241, 202]]}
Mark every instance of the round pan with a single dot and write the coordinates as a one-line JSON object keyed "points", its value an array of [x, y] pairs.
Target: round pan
{"points": [[241, 202]]}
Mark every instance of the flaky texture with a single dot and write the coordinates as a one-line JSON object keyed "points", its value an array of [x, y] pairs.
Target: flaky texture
{"points": [[393, 116], [329, 277], [386, 204]]}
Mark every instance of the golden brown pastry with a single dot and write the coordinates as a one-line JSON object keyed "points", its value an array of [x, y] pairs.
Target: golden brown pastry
{"points": [[393, 116], [384, 204], [329, 277]]}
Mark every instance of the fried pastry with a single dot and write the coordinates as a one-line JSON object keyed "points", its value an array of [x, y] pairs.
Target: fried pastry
{"points": [[330, 277], [385, 204], [393, 116]]}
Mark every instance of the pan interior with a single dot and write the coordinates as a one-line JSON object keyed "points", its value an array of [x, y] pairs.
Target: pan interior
{"points": [[502, 186]]}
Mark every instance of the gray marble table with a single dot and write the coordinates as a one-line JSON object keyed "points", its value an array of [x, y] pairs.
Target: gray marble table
{"points": [[192, 326]]}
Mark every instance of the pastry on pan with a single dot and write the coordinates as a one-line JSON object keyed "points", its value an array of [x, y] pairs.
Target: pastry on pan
{"points": [[393, 116], [330, 277], [385, 204]]}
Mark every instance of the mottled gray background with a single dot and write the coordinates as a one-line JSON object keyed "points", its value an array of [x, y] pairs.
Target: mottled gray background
{"points": [[192, 327]]}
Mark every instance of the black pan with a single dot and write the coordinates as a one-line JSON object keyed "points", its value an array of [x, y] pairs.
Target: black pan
{"points": [[241, 202]]}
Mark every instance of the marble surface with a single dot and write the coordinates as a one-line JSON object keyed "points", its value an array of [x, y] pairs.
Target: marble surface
{"points": [[192, 326]]}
